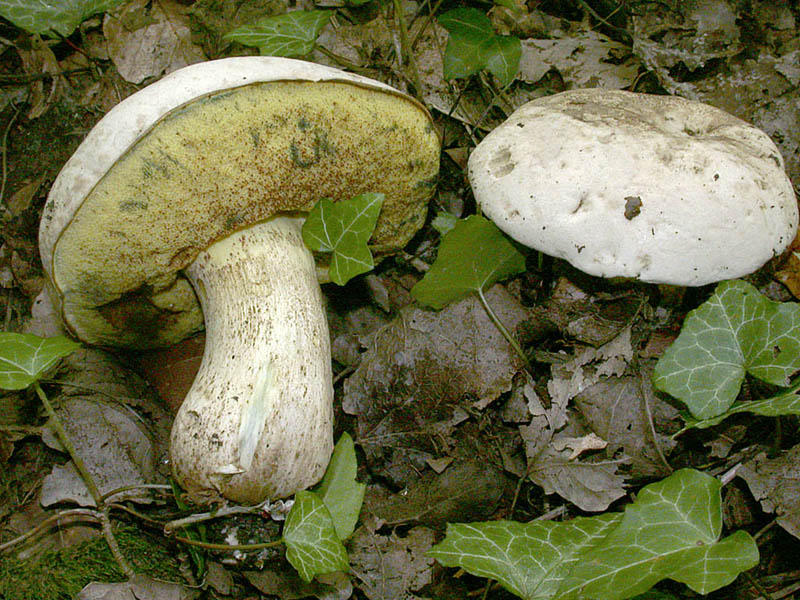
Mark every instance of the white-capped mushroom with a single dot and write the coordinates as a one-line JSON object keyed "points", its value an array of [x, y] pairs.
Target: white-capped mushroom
{"points": [[657, 188], [195, 188]]}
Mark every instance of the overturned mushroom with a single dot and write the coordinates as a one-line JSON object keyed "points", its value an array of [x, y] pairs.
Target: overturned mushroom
{"points": [[191, 194], [621, 184]]}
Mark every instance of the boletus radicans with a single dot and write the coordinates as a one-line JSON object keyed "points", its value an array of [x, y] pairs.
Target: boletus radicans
{"points": [[183, 208], [620, 184]]}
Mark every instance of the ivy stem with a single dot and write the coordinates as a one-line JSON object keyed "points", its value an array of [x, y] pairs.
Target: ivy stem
{"points": [[66, 443], [506, 333], [88, 480], [242, 547]]}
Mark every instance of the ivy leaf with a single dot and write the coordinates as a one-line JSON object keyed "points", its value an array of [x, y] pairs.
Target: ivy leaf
{"points": [[312, 546], [528, 559], [671, 531], [503, 54], [290, 34], [783, 404], [734, 332], [60, 17], [340, 491], [25, 357], [473, 45], [473, 256], [462, 58], [344, 228], [467, 23]]}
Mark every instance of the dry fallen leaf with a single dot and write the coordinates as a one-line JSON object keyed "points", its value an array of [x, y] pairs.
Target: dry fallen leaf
{"points": [[147, 39], [115, 447], [775, 482], [422, 374], [586, 59], [616, 409], [468, 490], [38, 60], [391, 566]]}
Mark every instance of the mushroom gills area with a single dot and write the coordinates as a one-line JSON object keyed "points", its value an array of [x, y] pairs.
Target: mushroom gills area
{"points": [[257, 422]]}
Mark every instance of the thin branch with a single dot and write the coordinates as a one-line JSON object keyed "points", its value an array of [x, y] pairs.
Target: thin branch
{"points": [[506, 334]]}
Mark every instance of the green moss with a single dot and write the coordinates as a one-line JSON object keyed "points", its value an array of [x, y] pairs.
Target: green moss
{"points": [[61, 574]]}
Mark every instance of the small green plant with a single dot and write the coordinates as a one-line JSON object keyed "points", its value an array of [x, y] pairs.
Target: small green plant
{"points": [[737, 331], [473, 45], [671, 531], [293, 34], [321, 519], [54, 18], [473, 256], [343, 229], [318, 522], [26, 358]]}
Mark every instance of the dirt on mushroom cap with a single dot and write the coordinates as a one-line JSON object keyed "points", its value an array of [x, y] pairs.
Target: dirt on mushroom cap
{"points": [[216, 165]]}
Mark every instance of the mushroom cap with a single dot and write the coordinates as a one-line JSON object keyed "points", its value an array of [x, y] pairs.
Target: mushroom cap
{"points": [[208, 150], [658, 188]]}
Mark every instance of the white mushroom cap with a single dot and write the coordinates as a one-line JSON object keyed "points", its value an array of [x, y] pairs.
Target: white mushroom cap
{"points": [[622, 184]]}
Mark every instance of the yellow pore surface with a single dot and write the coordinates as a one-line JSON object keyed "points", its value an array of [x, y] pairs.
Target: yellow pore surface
{"points": [[219, 164]]}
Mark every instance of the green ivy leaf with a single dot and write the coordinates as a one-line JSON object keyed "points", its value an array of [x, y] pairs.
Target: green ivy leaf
{"points": [[290, 34], [503, 54], [734, 332], [671, 531], [344, 228], [473, 45], [312, 546], [473, 256], [340, 491], [60, 17], [528, 559], [467, 23], [462, 58], [784, 404], [25, 357]]}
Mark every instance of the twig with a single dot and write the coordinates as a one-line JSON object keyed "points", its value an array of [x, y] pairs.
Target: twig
{"points": [[4, 157], [84, 512], [19, 79], [223, 511], [142, 486], [88, 481], [241, 547], [647, 395], [406, 56], [506, 334], [61, 433]]}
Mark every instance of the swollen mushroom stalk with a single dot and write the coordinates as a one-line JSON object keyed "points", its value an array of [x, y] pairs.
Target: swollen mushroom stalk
{"points": [[257, 421]]}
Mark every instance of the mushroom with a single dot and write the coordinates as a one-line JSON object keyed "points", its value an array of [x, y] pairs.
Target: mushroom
{"points": [[621, 184], [184, 205]]}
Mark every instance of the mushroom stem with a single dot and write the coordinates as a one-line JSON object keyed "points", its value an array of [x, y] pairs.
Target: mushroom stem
{"points": [[257, 422]]}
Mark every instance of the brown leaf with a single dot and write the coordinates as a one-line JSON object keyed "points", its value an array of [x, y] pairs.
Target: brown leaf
{"points": [[615, 409], [147, 39], [468, 490], [422, 374], [391, 566], [37, 60], [776, 484]]}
